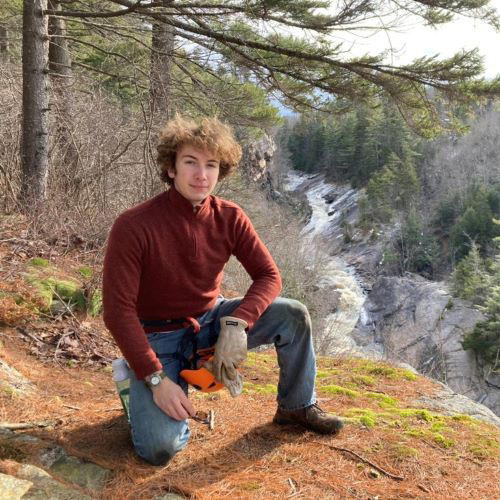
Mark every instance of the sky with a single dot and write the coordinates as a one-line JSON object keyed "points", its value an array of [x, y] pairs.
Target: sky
{"points": [[417, 41]]}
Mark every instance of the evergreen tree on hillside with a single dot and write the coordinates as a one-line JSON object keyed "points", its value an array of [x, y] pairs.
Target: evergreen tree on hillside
{"points": [[469, 277], [485, 337], [476, 220], [366, 154], [394, 187]]}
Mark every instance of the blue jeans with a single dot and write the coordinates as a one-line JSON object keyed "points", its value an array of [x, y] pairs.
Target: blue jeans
{"points": [[285, 323]]}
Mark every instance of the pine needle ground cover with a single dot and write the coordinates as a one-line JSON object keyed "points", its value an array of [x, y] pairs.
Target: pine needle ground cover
{"points": [[391, 447]]}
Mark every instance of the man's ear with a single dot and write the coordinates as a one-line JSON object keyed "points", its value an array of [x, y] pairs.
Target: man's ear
{"points": [[171, 172]]}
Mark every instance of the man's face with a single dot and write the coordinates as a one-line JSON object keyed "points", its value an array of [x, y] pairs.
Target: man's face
{"points": [[196, 173]]}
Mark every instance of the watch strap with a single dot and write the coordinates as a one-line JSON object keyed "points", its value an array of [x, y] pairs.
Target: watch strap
{"points": [[150, 379]]}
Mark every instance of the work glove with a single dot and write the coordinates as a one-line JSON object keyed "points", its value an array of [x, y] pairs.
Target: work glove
{"points": [[230, 348], [235, 387]]}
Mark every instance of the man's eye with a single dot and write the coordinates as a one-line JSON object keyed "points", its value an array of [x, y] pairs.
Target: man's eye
{"points": [[212, 165]]}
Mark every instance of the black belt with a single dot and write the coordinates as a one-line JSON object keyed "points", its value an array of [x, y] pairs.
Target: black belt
{"points": [[153, 323], [158, 323]]}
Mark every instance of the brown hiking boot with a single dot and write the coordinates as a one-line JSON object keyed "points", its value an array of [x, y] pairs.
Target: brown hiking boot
{"points": [[312, 418]]}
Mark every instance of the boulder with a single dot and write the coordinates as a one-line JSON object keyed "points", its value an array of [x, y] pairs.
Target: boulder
{"points": [[412, 320], [12, 382], [12, 488]]}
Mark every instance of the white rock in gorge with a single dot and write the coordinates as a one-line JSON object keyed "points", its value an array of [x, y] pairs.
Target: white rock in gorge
{"points": [[412, 320]]}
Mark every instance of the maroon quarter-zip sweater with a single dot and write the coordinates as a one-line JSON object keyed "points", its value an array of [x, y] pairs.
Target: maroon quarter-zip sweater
{"points": [[165, 260]]}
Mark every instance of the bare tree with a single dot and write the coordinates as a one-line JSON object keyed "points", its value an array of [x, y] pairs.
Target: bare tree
{"points": [[162, 53], [35, 121], [61, 77]]}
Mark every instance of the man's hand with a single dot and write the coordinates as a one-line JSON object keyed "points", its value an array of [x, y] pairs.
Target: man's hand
{"points": [[235, 387], [230, 348], [170, 398]]}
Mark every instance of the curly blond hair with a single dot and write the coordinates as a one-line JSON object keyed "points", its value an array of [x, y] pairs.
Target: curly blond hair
{"points": [[207, 133]]}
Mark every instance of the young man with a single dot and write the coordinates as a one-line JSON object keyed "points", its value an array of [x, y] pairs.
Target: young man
{"points": [[162, 275]]}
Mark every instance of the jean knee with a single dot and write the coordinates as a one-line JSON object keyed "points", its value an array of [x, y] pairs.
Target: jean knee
{"points": [[298, 311], [160, 449]]}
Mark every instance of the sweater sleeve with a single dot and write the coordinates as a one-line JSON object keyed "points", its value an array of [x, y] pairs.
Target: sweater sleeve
{"points": [[258, 263], [121, 279]]}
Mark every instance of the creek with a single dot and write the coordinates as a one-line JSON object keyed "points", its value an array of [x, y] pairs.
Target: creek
{"points": [[323, 232]]}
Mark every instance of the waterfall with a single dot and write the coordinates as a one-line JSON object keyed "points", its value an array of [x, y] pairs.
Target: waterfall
{"points": [[322, 232]]}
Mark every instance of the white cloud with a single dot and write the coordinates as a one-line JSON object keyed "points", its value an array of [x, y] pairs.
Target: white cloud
{"points": [[446, 40]]}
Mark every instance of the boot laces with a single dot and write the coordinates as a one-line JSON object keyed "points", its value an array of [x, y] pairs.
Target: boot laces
{"points": [[317, 408]]}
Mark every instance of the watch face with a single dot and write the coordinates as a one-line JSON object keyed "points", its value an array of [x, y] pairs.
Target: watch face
{"points": [[155, 380]]}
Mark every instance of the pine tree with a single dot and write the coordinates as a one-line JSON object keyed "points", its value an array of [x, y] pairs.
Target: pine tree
{"points": [[469, 278]]}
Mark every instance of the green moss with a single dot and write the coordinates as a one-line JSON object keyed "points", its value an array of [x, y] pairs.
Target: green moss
{"points": [[363, 380], [383, 398], [379, 369], [94, 307], [438, 438], [8, 389], [418, 433], [360, 416], [465, 419], [443, 441], [419, 413], [386, 371], [336, 389], [367, 421], [38, 262], [484, 447], [323, 374], [249, 388], [439, 427], [408, 375], [85, 272], [52, 288], [261, 361], [401, 450]]}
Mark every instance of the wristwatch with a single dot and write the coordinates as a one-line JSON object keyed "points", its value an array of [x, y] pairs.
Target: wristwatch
{"points": [[154, 379]]}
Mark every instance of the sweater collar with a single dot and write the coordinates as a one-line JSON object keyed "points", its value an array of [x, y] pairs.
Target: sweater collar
{"points": [[181, 205]]}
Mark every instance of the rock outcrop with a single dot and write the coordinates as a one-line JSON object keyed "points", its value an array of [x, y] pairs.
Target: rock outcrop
{"points": [[257, 156], [418, 322]]}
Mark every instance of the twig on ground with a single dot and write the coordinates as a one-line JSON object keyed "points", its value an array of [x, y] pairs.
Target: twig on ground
{"points": [[359, 457], [72, 407], [292, 486], [27, 425], [30, 335]]}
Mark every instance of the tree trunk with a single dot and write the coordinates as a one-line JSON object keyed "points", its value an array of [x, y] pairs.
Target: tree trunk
{"points": [[61, 81], [34, 144], [162, 45], [4, 41]]}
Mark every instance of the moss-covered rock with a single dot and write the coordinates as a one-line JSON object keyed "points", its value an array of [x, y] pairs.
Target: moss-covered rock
{"points": [[38, 262], [50, 289]]}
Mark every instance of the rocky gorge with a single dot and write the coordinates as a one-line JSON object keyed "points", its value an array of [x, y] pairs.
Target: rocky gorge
{"points": [[406, 319]]}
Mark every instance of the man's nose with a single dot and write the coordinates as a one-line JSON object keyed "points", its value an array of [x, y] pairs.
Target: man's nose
{"points": [[202, 172]]}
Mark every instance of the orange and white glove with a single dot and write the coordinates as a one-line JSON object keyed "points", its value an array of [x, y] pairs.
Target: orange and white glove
{"points": [[230, 348]]}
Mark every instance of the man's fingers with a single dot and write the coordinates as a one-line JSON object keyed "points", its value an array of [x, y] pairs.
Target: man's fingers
{"points": [[187, 406], [180, 412]]}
